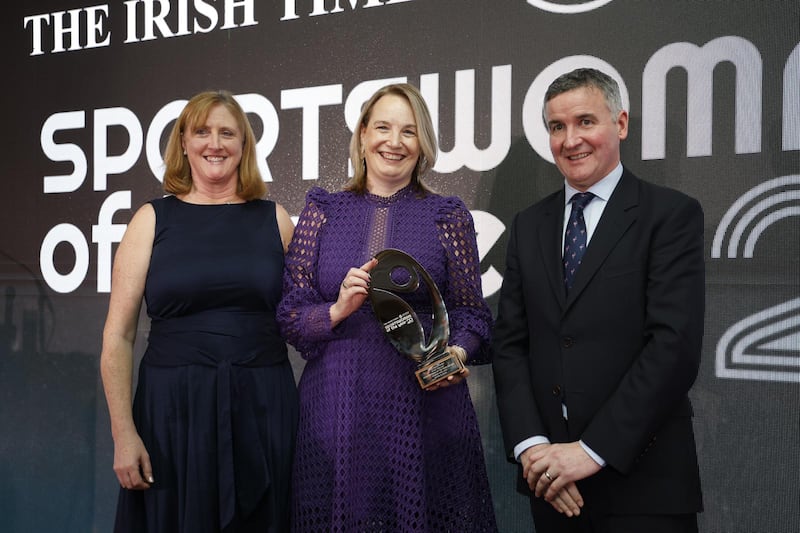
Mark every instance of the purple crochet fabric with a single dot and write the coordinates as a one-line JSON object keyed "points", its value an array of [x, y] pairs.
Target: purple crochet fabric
{"points": [[374, 451]]}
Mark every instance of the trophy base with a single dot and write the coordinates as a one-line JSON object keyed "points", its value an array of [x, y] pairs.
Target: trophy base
{"points": [[439, 368]]}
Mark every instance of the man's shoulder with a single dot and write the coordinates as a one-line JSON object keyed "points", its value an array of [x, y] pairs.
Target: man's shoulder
{"points": [[665, 196]]}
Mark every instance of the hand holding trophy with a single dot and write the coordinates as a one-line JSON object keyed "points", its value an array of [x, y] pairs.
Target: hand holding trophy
{"points": [[402, 326]]}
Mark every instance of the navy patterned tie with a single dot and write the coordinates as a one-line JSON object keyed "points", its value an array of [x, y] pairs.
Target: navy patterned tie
{"points": [[575, 237]]}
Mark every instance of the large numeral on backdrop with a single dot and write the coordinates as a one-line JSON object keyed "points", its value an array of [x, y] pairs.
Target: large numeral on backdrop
{"points": [[764, 346]]}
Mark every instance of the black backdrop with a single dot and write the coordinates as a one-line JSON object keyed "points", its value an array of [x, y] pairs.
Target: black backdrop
{"points": [[91, 89]]}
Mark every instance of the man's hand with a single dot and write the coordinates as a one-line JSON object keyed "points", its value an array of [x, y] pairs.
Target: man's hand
{"points": [[568, 500], [557, 466]]}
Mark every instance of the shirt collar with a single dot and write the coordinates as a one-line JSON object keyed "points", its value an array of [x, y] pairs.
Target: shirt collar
{"points": [[602, 189]]}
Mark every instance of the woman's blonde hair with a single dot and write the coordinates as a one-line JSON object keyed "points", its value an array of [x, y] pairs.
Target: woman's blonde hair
{"points": [[425, 134], [178, 173]]}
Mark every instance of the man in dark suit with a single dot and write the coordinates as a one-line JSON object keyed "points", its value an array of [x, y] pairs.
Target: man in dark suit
{"points": [[595, 352]]}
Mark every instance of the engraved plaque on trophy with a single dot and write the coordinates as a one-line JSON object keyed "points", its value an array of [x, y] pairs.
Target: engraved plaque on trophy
{"points": [[401, 323]]}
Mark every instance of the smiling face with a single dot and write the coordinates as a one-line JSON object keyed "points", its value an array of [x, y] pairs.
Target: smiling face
{"points": [[584, 135], [214, 148], [390, 143]]}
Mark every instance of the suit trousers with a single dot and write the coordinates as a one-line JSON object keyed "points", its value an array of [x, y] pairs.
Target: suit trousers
{"points": [[548, 520]]}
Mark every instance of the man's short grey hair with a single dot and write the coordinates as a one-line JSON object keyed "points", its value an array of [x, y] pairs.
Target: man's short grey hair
{"points": [[585, 77]]}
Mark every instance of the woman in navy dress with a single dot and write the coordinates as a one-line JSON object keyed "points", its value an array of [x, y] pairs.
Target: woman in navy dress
{"points": [[206, 445]]}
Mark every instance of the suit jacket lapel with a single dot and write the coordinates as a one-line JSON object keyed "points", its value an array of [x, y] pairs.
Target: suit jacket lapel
{"points": [[550, 242], [618, 216]]}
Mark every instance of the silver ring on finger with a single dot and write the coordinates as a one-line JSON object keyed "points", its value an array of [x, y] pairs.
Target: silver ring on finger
{"points": [[548, 476]]}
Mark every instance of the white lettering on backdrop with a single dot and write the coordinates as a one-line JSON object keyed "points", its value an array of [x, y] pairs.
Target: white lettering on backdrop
{"points": [[309, 100]]}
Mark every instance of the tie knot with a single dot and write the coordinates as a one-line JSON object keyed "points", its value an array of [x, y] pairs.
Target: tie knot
{"points": [[579, 200]]}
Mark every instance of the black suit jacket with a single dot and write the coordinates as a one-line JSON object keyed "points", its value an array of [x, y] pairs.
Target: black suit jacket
{"points": [[621, 351]]}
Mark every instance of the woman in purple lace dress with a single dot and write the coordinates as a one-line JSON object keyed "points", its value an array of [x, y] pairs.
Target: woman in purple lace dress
{"points": [[375, 452]]}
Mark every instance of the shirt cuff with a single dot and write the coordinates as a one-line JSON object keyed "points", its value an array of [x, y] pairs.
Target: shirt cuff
{"points": [[527, 443], [597, 459]]}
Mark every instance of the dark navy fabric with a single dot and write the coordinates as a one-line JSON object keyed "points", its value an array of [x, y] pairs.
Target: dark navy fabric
{"points": [[216, 404]]}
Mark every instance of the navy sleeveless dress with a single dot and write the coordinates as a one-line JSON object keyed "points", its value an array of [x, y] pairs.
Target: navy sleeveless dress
{"points": [[216, 403]]}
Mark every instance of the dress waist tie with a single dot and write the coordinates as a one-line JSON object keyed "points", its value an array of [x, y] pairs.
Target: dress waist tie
{"points": [[226, 341]]}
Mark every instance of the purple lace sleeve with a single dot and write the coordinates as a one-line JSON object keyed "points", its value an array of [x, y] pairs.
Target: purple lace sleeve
{"points": [[303, 315], [470, 317]]}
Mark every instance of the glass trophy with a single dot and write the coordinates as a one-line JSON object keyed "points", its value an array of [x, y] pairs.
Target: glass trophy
{"points": [[400, 322]]}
